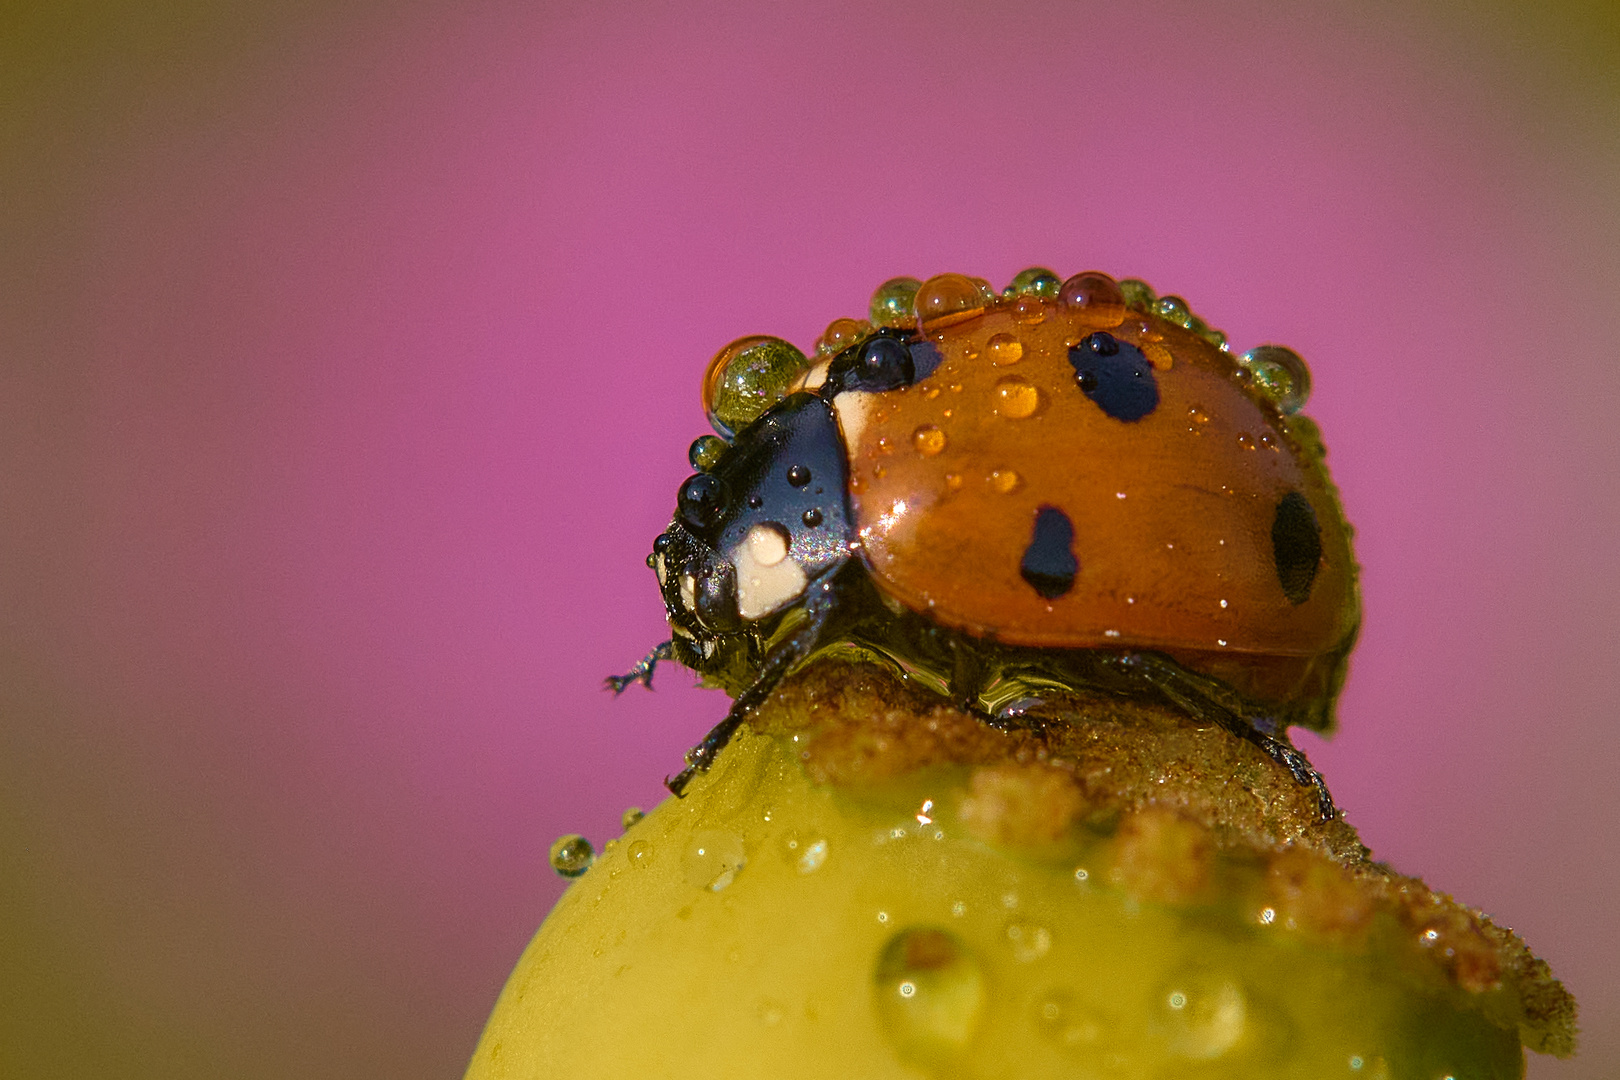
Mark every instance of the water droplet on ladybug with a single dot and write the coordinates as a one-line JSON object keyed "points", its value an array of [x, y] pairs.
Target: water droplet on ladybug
{"points": [[840, 335], [1202, 1015], [1196, 418], [894, 303], [1035, 281], [713, 859], [928, 440], [1030, 310], [1280, 374], [705, 451], [798, 475], [1004, 349], [811, 518], [755, 502], [953, 481], [571, 855], [1005, 481], [946, 300], [631, 816], [1015, 397], [1095, 297], [1138, 294], [930, 994], [747, 377], [1246, 440], [1173, 309], [701, 501], [1160, 357], [640, 854]]}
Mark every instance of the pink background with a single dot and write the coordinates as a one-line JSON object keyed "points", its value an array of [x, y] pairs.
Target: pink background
{"points": [[348, 363]]}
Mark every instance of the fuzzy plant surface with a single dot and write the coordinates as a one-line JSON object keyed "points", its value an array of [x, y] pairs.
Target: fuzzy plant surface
{"points": [[872, 883]]}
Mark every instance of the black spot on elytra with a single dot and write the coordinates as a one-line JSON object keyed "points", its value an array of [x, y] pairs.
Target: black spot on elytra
{"points": [[1296, 544], [1049, 564], [1116, 375]]}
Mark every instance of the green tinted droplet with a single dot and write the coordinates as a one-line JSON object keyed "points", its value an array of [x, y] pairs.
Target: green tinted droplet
{"points": [[571, 855], [712, 859], [1174, 309], [893, 304], [1280, 374], [1138, 294], [1036, 281], [640, 854], [631, 816], [703, 453], [746, 378], [930, 995]]}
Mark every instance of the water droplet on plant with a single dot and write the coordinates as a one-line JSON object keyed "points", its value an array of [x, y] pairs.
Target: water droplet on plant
{"points": [[1280, 374], [640, 854], [1201, 1015], [1029, 941], [1015, 397], [947, 299], [930, 995], [1095, 297], [712, 859], [894, 302], [1004, 349], [571, 855], [1005, 481], [928, 440]]}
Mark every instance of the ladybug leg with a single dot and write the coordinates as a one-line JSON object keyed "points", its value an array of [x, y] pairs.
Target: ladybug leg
{"points": [[643, 672], [818, 605], [1221, 706]]}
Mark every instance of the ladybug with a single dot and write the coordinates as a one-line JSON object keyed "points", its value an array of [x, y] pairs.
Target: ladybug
{"points": [[1070, 484]]}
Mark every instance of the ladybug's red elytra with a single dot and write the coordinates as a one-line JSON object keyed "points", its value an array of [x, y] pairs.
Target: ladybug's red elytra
{"points": [[1068, 484]]}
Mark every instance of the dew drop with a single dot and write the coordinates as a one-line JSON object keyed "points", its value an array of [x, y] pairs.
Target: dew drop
{"points": [[1016, 398], [894, 302], [747, 377], [1174, 309], [1005, 481], [946, 300], [1035, 281], [705, 452], [1160, 357], [930, 995], [712, 859], [1004, 350], [928, 440], [1030, 310], [1071, 1024], [1197, 415], [840, 335], [640, 854], [631, 816], [1138, 294], [1280, 374], [1029, 941], [811, 518], [1202, 1015], [953, 481], [571, 855], [1096, 298], [1246, 440]]}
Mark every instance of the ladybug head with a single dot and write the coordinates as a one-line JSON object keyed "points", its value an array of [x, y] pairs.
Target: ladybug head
{"points": [[750, 533]]}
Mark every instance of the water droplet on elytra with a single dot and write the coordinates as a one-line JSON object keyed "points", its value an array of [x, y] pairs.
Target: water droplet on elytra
{"points": [[1246, 440], [1280, 374], [1005, 481], [571, 855], [928, 440], [841, 334], [947, 299], [1004, 349], [930, 995], [953, 481], [1015, 397], [1095, 297], [631, 816], [893, 302], [712, 859], [640, 854]]}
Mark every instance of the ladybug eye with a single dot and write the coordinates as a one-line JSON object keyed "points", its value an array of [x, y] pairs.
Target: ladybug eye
{"points": [[747, 377], [701, 501]]}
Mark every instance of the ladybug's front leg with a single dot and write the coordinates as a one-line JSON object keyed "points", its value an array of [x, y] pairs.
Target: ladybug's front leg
{"points": [[643, 672]]}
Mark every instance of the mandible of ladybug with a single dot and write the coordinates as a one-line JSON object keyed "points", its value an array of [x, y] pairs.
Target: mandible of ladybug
{"points": [[1072, 484]]}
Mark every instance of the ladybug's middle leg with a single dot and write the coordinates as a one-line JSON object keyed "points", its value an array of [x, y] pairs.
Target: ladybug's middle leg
{"points": [[1199, 698]]}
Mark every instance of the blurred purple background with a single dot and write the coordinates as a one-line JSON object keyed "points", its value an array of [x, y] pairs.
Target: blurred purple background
{"points": [[348, 362]]}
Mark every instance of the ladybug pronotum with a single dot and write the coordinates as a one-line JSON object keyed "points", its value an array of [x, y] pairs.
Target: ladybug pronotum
{"points": [[1068, 485]]}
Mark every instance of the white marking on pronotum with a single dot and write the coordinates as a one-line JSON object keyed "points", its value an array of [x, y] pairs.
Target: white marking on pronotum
{"points": [[852, 407], [767, 580]]}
